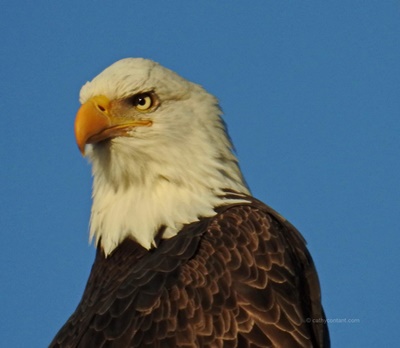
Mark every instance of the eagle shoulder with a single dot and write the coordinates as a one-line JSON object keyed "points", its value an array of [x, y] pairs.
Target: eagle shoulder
{"points": [[242, 278]]}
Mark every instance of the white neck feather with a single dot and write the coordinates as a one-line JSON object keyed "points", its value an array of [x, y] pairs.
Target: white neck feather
{"points": [[138, 209]]}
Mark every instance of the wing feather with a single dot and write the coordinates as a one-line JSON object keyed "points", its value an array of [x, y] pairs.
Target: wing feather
{"points": [[242, 278]]}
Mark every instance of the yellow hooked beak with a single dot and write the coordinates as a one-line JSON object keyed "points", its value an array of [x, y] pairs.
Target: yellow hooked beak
{"points": [[94, 123]]}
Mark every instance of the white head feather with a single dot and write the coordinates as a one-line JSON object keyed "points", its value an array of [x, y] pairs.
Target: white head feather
{"points": [[169, 174]]}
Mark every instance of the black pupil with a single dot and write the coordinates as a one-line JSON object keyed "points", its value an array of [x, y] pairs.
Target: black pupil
{"points": [[141, 100]]}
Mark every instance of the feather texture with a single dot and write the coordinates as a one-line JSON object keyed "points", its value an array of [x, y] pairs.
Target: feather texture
{"points": [[242, 278]]}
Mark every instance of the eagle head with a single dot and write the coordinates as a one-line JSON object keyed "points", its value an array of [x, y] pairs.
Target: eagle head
{"points": [[160, 153]]}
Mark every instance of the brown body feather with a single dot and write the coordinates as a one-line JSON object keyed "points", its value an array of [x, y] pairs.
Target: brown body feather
{"points": [[242, 278]]}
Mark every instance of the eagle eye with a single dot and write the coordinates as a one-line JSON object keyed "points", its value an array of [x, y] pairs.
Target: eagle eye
{"points": [[142, 101]]}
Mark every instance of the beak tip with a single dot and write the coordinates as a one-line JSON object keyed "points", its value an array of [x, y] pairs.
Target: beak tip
{"points": [[82, 149]]}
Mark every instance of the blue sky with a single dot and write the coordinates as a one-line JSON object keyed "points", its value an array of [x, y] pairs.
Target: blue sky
{"points": [[310, 91]]}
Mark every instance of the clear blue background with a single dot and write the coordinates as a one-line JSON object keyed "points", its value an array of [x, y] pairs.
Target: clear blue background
{"points": [[310, 91]]}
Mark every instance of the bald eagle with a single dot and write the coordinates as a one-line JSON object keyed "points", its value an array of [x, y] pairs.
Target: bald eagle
{"points": [[186, 257]]}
